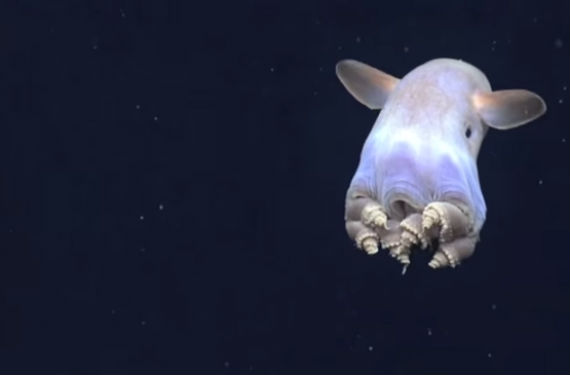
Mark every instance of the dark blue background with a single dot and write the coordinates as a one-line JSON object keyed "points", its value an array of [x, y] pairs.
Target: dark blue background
{"points": [[229, 115]]}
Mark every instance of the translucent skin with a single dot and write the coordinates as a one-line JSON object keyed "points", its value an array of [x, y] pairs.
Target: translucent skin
{"points": [[417, 183], [418, 150]]}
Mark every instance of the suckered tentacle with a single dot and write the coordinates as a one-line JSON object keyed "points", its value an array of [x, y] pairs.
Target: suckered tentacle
{"points": [[365, 209], [365, 238], [451, 254], [446, 220]]}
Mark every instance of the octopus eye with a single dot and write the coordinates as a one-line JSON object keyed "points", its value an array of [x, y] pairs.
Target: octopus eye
{"points": [[468, 132]]}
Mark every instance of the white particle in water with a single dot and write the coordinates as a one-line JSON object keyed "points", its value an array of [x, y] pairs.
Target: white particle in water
{"points": [[94, 43], [563, 140], [160, 207], [123, 14], [489, 355], [357, 39], [493, 307], [406, 49], [370, 348], [429, 333], [558, 43], [226, 364], [272, 69], [141, 217], [155, 118], [564, 88], [138, 107], [560, 101], [143, 322], [540, 182]]}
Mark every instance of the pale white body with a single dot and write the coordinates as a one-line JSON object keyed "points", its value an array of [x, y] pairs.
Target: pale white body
{"points": [[417, 151], [417, 180]]}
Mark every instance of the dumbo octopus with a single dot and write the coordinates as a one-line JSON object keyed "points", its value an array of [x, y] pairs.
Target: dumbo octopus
{"points": [[417, 184]]}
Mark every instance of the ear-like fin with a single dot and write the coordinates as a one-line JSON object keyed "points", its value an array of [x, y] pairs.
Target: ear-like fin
{"points": [[368, 85], [507, 109]]}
